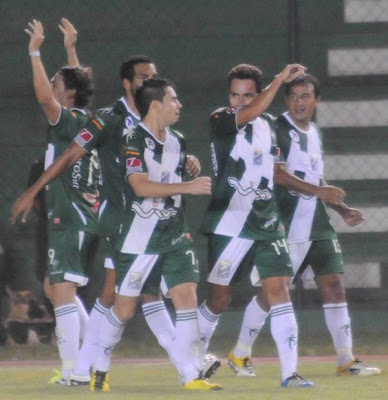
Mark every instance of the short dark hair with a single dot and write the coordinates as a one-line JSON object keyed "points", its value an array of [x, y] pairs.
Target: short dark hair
{"points": [[246, 71], [152, 89], [127, 70], [304, 79], [80, 79]]}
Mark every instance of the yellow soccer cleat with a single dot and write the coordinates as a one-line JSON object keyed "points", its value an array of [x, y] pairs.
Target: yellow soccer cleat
{"points": [[358, 368], [100, 382], [58, 378], [241, 366], [201, 384]]}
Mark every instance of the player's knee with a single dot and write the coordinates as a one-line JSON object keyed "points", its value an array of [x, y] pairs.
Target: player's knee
{"points": [[218, 304]]}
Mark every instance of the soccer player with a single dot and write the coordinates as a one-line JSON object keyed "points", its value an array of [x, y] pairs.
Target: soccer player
{"points": [[71, 200], [313, 244], [115, 121], [242, 222], [153, 241]]}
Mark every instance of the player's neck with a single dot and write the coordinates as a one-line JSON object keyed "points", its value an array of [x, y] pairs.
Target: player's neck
{"points": [[131, 104], [155, 127], [303, 125]]}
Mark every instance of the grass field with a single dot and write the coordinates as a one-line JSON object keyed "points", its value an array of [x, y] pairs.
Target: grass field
{"points": [[147, 381]]}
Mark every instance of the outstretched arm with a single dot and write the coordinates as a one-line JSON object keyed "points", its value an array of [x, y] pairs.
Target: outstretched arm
{"points": [[143, 187], [42, 86], [25, 202], [69, 41], [260, 103]]}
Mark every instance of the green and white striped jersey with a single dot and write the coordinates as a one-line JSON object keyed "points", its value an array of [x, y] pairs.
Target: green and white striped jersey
{"points": [[243, 204], [104, 133], [152, 225], [72, 198], [304, 216]]}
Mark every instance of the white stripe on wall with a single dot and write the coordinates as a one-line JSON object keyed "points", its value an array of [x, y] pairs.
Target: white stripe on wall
{"points": [[376, 220], [352, 113], [356, 166], [343, 62], [366, 11]]}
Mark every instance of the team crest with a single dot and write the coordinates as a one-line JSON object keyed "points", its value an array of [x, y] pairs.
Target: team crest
{"points": [[258, 157], [165, 178], [223, 269], [134, 280], [129, 122], [150, 143], [294, 136], [314, 162]]}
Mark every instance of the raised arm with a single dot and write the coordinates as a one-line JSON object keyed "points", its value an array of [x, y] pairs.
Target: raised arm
{"points": [[260, 103], [26, 201], [69, 40], [143, 187], [42, 86]]}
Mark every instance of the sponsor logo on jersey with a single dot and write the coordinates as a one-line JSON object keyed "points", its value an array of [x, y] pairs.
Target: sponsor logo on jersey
{"points": [[133, 165], [270, 222], [160, 213], [223, 269], [258, 157], [165, 177], [56, 220], [76, 174], [135, 280], [294, 136], [133, 153], [230, 110], [150, 143], [277, 152], [188, 236], [178, 239], [260, 194], [84, 137], [301, 195]]}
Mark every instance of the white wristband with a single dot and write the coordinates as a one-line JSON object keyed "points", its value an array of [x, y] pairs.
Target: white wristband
{"points": [[34, 53]]}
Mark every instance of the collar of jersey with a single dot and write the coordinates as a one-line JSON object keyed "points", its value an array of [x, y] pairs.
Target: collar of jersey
{"points": [[129, 109], [80, 110], [147, 130], [288, 118]]}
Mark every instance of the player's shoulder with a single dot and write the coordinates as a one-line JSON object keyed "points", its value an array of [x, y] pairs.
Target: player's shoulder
{"points": [[177, 134], [219, 112]]}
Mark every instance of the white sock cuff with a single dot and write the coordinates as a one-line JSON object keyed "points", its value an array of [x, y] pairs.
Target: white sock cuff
{"points": [[65, 309], [113, 319], [99, 307], [207, 313], [186, 315], [329, 306], [281, 309], [257, 306], [153, 307]]}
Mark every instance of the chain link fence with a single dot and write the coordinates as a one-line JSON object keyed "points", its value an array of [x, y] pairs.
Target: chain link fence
{"points": [[343, 42]]}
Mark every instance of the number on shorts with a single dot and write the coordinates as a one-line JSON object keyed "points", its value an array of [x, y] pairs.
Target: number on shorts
{"points": [[191, 252], [279, 244], [336, 245], [51, 254]]}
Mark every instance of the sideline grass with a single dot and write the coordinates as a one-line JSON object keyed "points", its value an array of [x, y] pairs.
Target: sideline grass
{"points": [[144, 382]]}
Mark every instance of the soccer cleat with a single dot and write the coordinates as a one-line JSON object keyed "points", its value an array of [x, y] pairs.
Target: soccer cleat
{"points": [[58, 378], [241, 366], [211, 364], [357, 367], [201, 384], [99, 382], [78, 380], [296, 381]]}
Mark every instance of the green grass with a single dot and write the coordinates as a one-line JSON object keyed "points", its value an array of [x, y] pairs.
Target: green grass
{"points": [[161, 382], [147, 346]]}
